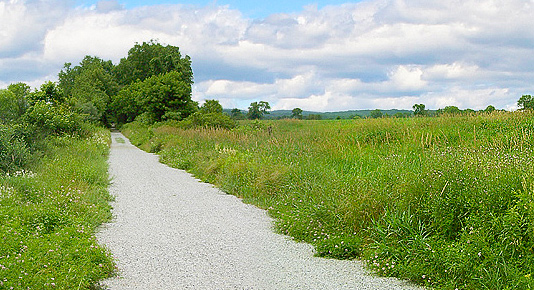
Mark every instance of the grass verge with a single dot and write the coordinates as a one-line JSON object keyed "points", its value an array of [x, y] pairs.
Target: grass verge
{"points": [[48, 217]]}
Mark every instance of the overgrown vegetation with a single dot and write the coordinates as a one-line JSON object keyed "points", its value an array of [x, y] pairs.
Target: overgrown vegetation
{"points": [[49, 213], [53, 192], [446, 202]]}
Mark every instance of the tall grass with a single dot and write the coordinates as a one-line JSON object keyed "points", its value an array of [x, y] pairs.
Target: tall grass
{"points": [[48, 216], [446, 202]]}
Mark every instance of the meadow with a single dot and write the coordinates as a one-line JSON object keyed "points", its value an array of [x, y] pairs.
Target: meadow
{"points": [[50, 209], [446, 202]]}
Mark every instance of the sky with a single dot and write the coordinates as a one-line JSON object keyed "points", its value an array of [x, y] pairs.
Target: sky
{"points": [[314, 55]]}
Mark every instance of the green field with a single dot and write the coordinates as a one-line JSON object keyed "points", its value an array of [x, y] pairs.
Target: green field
{"points": [[445, 202]]}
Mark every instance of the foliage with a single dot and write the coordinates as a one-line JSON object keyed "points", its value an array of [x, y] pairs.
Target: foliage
{"points": [[151, 59], [376, 114], [165, 97], [208, 120], [13, 102], [314, 117], [296, 113], [90, 87], [15, 153], [445, 202], [50, 119], [211, 106], [236, 114], [526, 102], [257, 110], [419, 110], [8, 107], [489, 109], [451, 110], [49, 93], [48, 216], [210, 115]]}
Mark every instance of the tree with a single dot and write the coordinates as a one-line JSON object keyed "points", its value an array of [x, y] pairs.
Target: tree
{"points": [[526, 102], [163, 97], [419, 110], [296, 113], [89, 87], [211, 106], [236, 114], [67, 76], [452, 110], [21, 91], [376, 114], [257, 110], [49, 93], [489, 109], [210, 115], [314, 117], [8, 107], [151, 58]]}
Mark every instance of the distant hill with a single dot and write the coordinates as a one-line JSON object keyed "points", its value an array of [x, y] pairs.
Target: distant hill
{"points": [[280, 114]]}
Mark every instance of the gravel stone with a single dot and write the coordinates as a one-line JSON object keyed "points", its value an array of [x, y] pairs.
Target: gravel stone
{"points": [[171, 231]]}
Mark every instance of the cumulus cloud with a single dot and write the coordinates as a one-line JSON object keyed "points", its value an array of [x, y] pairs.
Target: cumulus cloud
{"points": [[371, 54]]}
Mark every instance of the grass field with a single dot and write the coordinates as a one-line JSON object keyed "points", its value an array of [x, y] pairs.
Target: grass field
{"points": [[49, 213], [445, 202]]}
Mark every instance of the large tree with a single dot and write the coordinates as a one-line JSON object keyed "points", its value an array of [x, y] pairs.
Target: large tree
{"points": [[156, 83], [152, 58], [165, 96]]}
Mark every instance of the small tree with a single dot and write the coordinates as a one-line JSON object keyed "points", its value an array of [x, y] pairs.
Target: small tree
{"points": [[453, 110], [210, 115], [526, 102], [236, 114], [490, 109], [376, 114], [211, 106], [49, 93], [296, 113], [257, 110], [419, 110]]}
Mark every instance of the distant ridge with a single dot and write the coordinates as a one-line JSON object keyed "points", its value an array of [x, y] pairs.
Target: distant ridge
{"points": [[280, 114]]}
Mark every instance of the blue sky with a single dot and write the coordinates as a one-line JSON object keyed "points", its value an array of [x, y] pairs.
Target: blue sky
{"points": [[325, 56], [252, 9]]}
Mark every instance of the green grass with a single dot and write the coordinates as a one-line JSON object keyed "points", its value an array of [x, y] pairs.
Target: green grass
{"points": [[120, 140], [48, 217], [445, 202]]}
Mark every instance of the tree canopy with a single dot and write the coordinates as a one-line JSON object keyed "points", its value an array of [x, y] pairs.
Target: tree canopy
{"points": [[526, 102], [419, 110], [257, 110], [154, 81]]}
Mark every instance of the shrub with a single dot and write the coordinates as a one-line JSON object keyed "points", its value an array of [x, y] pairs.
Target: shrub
{"points": [[53, 119], [14, 151], [209, 120]]}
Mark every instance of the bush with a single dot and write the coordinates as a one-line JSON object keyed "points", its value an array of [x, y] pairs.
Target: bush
{"points": [[209, 120], [53, 120], [14, 151]]}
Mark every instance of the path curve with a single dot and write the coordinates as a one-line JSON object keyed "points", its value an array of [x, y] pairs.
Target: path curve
{"points": [[171, 231]]}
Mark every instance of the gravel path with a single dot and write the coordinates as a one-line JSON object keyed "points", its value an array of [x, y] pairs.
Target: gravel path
{"points": [[171, 231]]}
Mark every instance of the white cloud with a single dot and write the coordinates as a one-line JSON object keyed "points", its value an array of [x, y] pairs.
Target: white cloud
{"points": [[372, 54], [407, 78]]}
